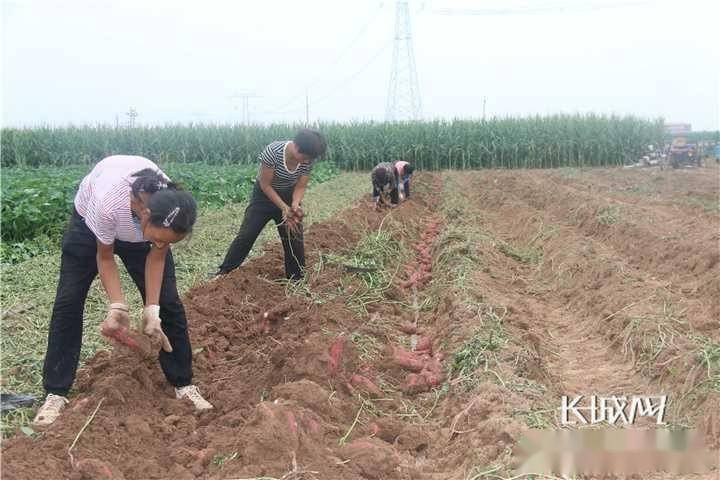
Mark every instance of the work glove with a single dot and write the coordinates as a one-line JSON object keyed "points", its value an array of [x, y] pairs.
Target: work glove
{"points": [[117, 320], [152, 328]]}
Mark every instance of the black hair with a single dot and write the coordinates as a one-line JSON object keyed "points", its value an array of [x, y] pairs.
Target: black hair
{"points": [[170, 206], [380, 176], [310, 142], [150, 181], [408, 169]]}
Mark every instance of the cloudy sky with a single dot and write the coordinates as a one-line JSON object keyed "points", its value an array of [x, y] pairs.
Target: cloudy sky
{"points": [[89, 61]]}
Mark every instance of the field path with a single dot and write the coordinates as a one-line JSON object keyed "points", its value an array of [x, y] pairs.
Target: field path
{"points": [[579, 360]]}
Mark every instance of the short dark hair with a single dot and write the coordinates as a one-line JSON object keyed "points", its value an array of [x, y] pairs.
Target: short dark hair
{"points": [[170, 206], [408, 169], [310, 142]]}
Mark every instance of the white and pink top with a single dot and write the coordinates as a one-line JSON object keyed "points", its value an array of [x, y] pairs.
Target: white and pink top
{"points": [[103, 198], [399, 166]]}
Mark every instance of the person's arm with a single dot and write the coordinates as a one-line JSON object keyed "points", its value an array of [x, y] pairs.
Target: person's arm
{"points": [[266, 178], [299, 191], [154, 268], [109, 275]]}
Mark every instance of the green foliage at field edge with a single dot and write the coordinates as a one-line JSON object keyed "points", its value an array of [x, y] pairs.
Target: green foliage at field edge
{"points": [[36, 202], [532, 142]]}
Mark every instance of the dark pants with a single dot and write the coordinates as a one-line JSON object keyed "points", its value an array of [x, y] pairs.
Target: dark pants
{"points": [[257, 214], [406, 185], [78, 269], [394, 194]]}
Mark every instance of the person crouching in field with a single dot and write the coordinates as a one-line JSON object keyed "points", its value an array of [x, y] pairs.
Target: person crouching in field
{"points": [[384, 179], [283, 176], [404, 171], [126, 206]]}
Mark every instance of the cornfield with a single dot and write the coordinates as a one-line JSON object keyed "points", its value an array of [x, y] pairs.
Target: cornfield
{"points": [[534, 142]]}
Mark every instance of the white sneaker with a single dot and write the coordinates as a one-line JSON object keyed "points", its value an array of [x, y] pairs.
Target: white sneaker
{"points": [[50, 410], [192, 393]]}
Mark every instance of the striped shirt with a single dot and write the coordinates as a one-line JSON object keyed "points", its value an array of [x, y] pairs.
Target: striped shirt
{"points": [[274, 157], [103, 198]]}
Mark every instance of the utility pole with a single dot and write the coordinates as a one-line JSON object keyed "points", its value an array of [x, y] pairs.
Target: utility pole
{"points": [[484, 102], [307, 108], [403, 100], [244, 97]]}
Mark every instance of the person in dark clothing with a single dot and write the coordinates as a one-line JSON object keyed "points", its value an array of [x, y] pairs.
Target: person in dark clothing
{"points": [[384, 180], [282, 178]]}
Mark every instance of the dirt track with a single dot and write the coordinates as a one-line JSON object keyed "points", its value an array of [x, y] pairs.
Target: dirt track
{"points": [[571, 285]]}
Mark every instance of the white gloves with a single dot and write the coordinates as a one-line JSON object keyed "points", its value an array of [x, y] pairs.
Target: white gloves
{"points": [[151, 323]]}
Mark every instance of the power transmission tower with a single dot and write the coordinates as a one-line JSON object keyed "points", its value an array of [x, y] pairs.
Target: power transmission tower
{"points": [[403, 100], [132, 115]]}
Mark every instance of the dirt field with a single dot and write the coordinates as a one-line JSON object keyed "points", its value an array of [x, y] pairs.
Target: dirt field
{"points": [[495, 293]]}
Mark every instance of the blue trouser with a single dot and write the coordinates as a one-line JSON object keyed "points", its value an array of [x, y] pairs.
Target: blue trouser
{"points": [[406, 186]]}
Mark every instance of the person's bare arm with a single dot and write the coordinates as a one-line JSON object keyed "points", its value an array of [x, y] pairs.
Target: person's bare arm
{"points": [[154, 268], [299, 191], [266, 178], [109, 275]]}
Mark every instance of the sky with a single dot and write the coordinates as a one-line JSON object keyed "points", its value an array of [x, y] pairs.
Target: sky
{"points": [[179, 61]]}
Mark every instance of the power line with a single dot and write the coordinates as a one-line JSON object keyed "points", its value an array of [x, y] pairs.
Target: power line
{"points": [[341, 85], [300, 95], [352, 77], [538, 10]]}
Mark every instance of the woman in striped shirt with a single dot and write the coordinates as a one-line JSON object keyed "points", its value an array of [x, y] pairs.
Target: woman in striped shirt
{"points": [[283, 176], [126, 206]]}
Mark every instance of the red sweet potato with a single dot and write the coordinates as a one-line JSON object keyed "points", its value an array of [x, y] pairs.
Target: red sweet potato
{"points": [[407, 327], [366, 384], [415, 384], [424, 344], [292, 421], [312, 426], [121, 336], [432, 379], [336, 351], [408, 360]]}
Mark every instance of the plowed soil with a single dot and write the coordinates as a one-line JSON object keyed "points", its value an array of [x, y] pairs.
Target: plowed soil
{"points": [[595, 283]]}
